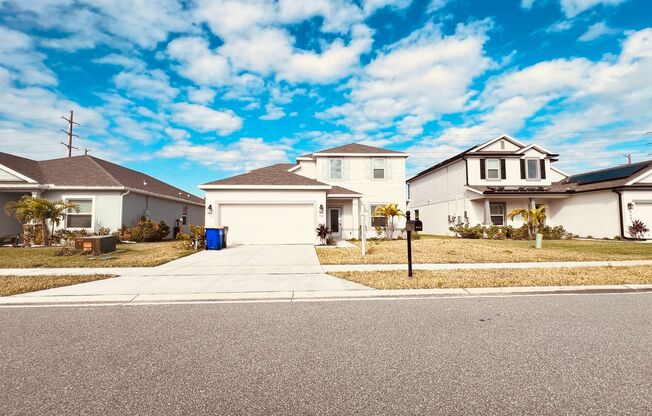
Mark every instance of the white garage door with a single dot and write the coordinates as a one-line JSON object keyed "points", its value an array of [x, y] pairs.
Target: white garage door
{"points": [[269, 223], [643, 212]]}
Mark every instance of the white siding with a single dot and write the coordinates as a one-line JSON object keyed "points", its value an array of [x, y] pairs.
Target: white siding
{"points": [[307, 169], [647, 178], [556, 176], [513, 170], [592, 214], [642, 209], [496, 147]]}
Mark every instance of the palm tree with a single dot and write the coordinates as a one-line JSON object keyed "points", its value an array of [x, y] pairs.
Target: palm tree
{"points": [[389, 211], [28, 209], [535, 218]]}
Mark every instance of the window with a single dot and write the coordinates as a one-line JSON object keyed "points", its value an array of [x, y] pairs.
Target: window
{"points": [[493, 169], [377, 221], [532, 168], [497, 211], [378, 166], [336, 168], [83, 218], [184, 215]]}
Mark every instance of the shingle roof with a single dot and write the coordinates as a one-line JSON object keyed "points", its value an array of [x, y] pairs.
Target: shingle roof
{"points": [[603, 179], [91, 171], [270, 175], [356, 148], [340, 190]]}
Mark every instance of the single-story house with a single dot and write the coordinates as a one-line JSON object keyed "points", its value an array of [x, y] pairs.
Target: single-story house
{"points": [[482, 184], [108, 195], [284, 203]]}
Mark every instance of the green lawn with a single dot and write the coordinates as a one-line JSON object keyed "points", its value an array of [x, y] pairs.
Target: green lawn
{"points": [[127, 255], [435, 249], [13, 285]]}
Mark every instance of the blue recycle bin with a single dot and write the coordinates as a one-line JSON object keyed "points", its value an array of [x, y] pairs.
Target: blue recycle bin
{"points": [[214, 239]]}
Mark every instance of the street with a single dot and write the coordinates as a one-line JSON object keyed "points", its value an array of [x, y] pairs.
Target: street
{"points": [[553, 354]]}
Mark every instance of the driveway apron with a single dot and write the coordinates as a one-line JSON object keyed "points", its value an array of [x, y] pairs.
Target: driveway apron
{"points": [[244, 268]]}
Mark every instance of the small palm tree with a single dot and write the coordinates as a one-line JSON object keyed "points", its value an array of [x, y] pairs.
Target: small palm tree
{"points": [[535, 218], [389, 211], [28, 209]]}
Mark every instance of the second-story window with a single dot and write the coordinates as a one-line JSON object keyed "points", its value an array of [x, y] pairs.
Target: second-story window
{"points": [[532, 169], [378, 168], [493, 169], [336, 168]]}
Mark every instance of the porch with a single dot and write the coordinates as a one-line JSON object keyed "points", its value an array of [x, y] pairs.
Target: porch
{"points": [[493, 209]]}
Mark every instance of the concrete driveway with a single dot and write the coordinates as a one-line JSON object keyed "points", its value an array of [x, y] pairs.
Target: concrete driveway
{"points": [[255, 268]]}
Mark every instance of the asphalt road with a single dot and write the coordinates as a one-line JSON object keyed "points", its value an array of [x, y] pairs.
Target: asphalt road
{"points": [[589, 354]]}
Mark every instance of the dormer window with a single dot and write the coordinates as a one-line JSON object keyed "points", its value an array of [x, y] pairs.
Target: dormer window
{"points": [[493, 169], [532, 170], [378, 166], [336, 168]]}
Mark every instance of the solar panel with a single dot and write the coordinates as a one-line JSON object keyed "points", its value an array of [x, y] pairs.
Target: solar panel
{"points": [[608, 174]]}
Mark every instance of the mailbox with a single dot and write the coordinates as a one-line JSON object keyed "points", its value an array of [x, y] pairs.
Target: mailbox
{"points": [[414, 225]]}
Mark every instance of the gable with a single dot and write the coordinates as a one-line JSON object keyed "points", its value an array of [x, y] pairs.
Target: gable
{"points": [[5, 176], [646, 178], [502, 145]]}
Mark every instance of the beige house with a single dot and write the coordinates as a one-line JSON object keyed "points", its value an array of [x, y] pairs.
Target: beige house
{"points": [[484, 183], [108, 195], [284, 203]]}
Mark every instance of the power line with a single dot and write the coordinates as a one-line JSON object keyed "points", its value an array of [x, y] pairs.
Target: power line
{"points": [[70, 134]]}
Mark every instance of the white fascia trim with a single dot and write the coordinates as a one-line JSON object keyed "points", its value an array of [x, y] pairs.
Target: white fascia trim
{"points": [[293, 168], [639, 178], [361, 154], [560, 171], [534, 146], [17, 174], [343, 196], [21, 186], [502, 136], [171, 198], [468, 188], [122, 188], [291, 187], [305, 158]]}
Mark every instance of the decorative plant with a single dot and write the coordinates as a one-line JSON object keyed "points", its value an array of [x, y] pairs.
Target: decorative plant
{"points": [[104, 231], [638, 229], [147, 230], [322, 232], [41, 211], [535, 218], [389, 211]]}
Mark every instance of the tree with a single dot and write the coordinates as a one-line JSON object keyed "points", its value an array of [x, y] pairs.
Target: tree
{"points": [[389, 211], [28, 209], [535, 218]]}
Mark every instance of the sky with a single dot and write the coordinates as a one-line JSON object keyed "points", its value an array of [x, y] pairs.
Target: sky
{"points": [[197, 90]]}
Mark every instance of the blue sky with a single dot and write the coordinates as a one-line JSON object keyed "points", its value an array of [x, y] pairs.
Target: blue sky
{"points": [[193, 91]]}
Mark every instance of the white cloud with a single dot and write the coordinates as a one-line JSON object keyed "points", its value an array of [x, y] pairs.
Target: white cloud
{"points": [[197, 62], [201, 95], [17, 53], [272, 112], [121, 61], [415, 80], [177, 134], [527, 4], [154, 84], [244, 154], [204, 119], [436, 5], [560, 26], [572, 8], [597, 30]]}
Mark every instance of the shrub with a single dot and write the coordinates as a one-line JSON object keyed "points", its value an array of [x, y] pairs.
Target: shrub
{"points": [[638, 229], [67, 237], [195, 239], [147, 230], [494, 232], [555, 233], [32, 234], [322, 232], [66, 251], [466, 231], [104, 231]]}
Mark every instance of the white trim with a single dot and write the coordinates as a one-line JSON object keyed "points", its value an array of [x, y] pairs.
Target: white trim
{"points": [[534, 146], [470, 189], [527, 169], [486, 170], [343, 196], [93, 208], [21, 186], [559, 171], [17, 174], [373, 178], [293, 168], [291, 187], [361, 154], [330, 169], [492, 141], [639, 178], [307, 159]]}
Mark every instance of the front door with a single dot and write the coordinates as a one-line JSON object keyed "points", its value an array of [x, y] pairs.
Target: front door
{"points": [[335, 221]]}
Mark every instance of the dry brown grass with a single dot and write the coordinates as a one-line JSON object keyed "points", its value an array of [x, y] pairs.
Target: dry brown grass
{"points": [[444, 279], [128, 255], [457, 250], [13, 285]]}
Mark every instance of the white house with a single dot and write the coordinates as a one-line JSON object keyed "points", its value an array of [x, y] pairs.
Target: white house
{"points": [[484, 183], [108, 195], [284, 203]]}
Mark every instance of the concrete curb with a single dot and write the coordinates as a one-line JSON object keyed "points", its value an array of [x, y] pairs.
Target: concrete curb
{"points": [[299, 296]]}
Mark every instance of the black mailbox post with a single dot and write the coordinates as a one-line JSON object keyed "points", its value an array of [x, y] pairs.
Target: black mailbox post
{"points": [[410, 226]]}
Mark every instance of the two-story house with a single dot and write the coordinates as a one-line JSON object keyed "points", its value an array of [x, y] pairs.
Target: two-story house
{"points": [[483, 184], [285, 203]]}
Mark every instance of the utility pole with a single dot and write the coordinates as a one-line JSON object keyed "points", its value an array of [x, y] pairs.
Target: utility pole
{"points": [[86, 151], [629, 158], [70, 134]]}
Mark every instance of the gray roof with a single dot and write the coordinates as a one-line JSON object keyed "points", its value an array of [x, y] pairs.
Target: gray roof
{"points": [[91, 171], [354, 148], [342, 191], [270, 175]]}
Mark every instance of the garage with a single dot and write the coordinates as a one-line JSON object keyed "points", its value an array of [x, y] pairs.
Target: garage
{"points": [[643, 212], [269, 223]]}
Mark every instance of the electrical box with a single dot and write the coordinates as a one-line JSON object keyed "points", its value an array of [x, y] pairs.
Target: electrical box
{"points": [[96, 244], [414, 225]]}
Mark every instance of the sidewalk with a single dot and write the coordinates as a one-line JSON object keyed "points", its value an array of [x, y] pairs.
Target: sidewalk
{"points": [[307, 296], [153, 271], [480, 266]]}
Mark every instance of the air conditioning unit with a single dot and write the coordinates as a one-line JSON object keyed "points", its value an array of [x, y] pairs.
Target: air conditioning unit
{"points": [[451, 218]]}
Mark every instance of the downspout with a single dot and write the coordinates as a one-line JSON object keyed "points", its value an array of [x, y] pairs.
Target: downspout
{"points": [[122, 208], [620, 217]]}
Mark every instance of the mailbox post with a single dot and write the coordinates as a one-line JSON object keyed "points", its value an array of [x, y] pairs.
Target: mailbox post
{"points": [[411, 225]]}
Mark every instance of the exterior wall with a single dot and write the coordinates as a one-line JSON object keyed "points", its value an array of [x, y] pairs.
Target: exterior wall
{"points": [[6, 176], [106, 206], [556, 176], [159, 209], [642, 200], [8, 224], [259, 196], [592, 214], [645, 179], [498, 146], [307, 169], [350, 223], [513, 169]]}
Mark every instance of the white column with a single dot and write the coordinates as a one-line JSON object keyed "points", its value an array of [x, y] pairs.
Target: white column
{"points": [[533, 203], [487, 213], [355, 218]]}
